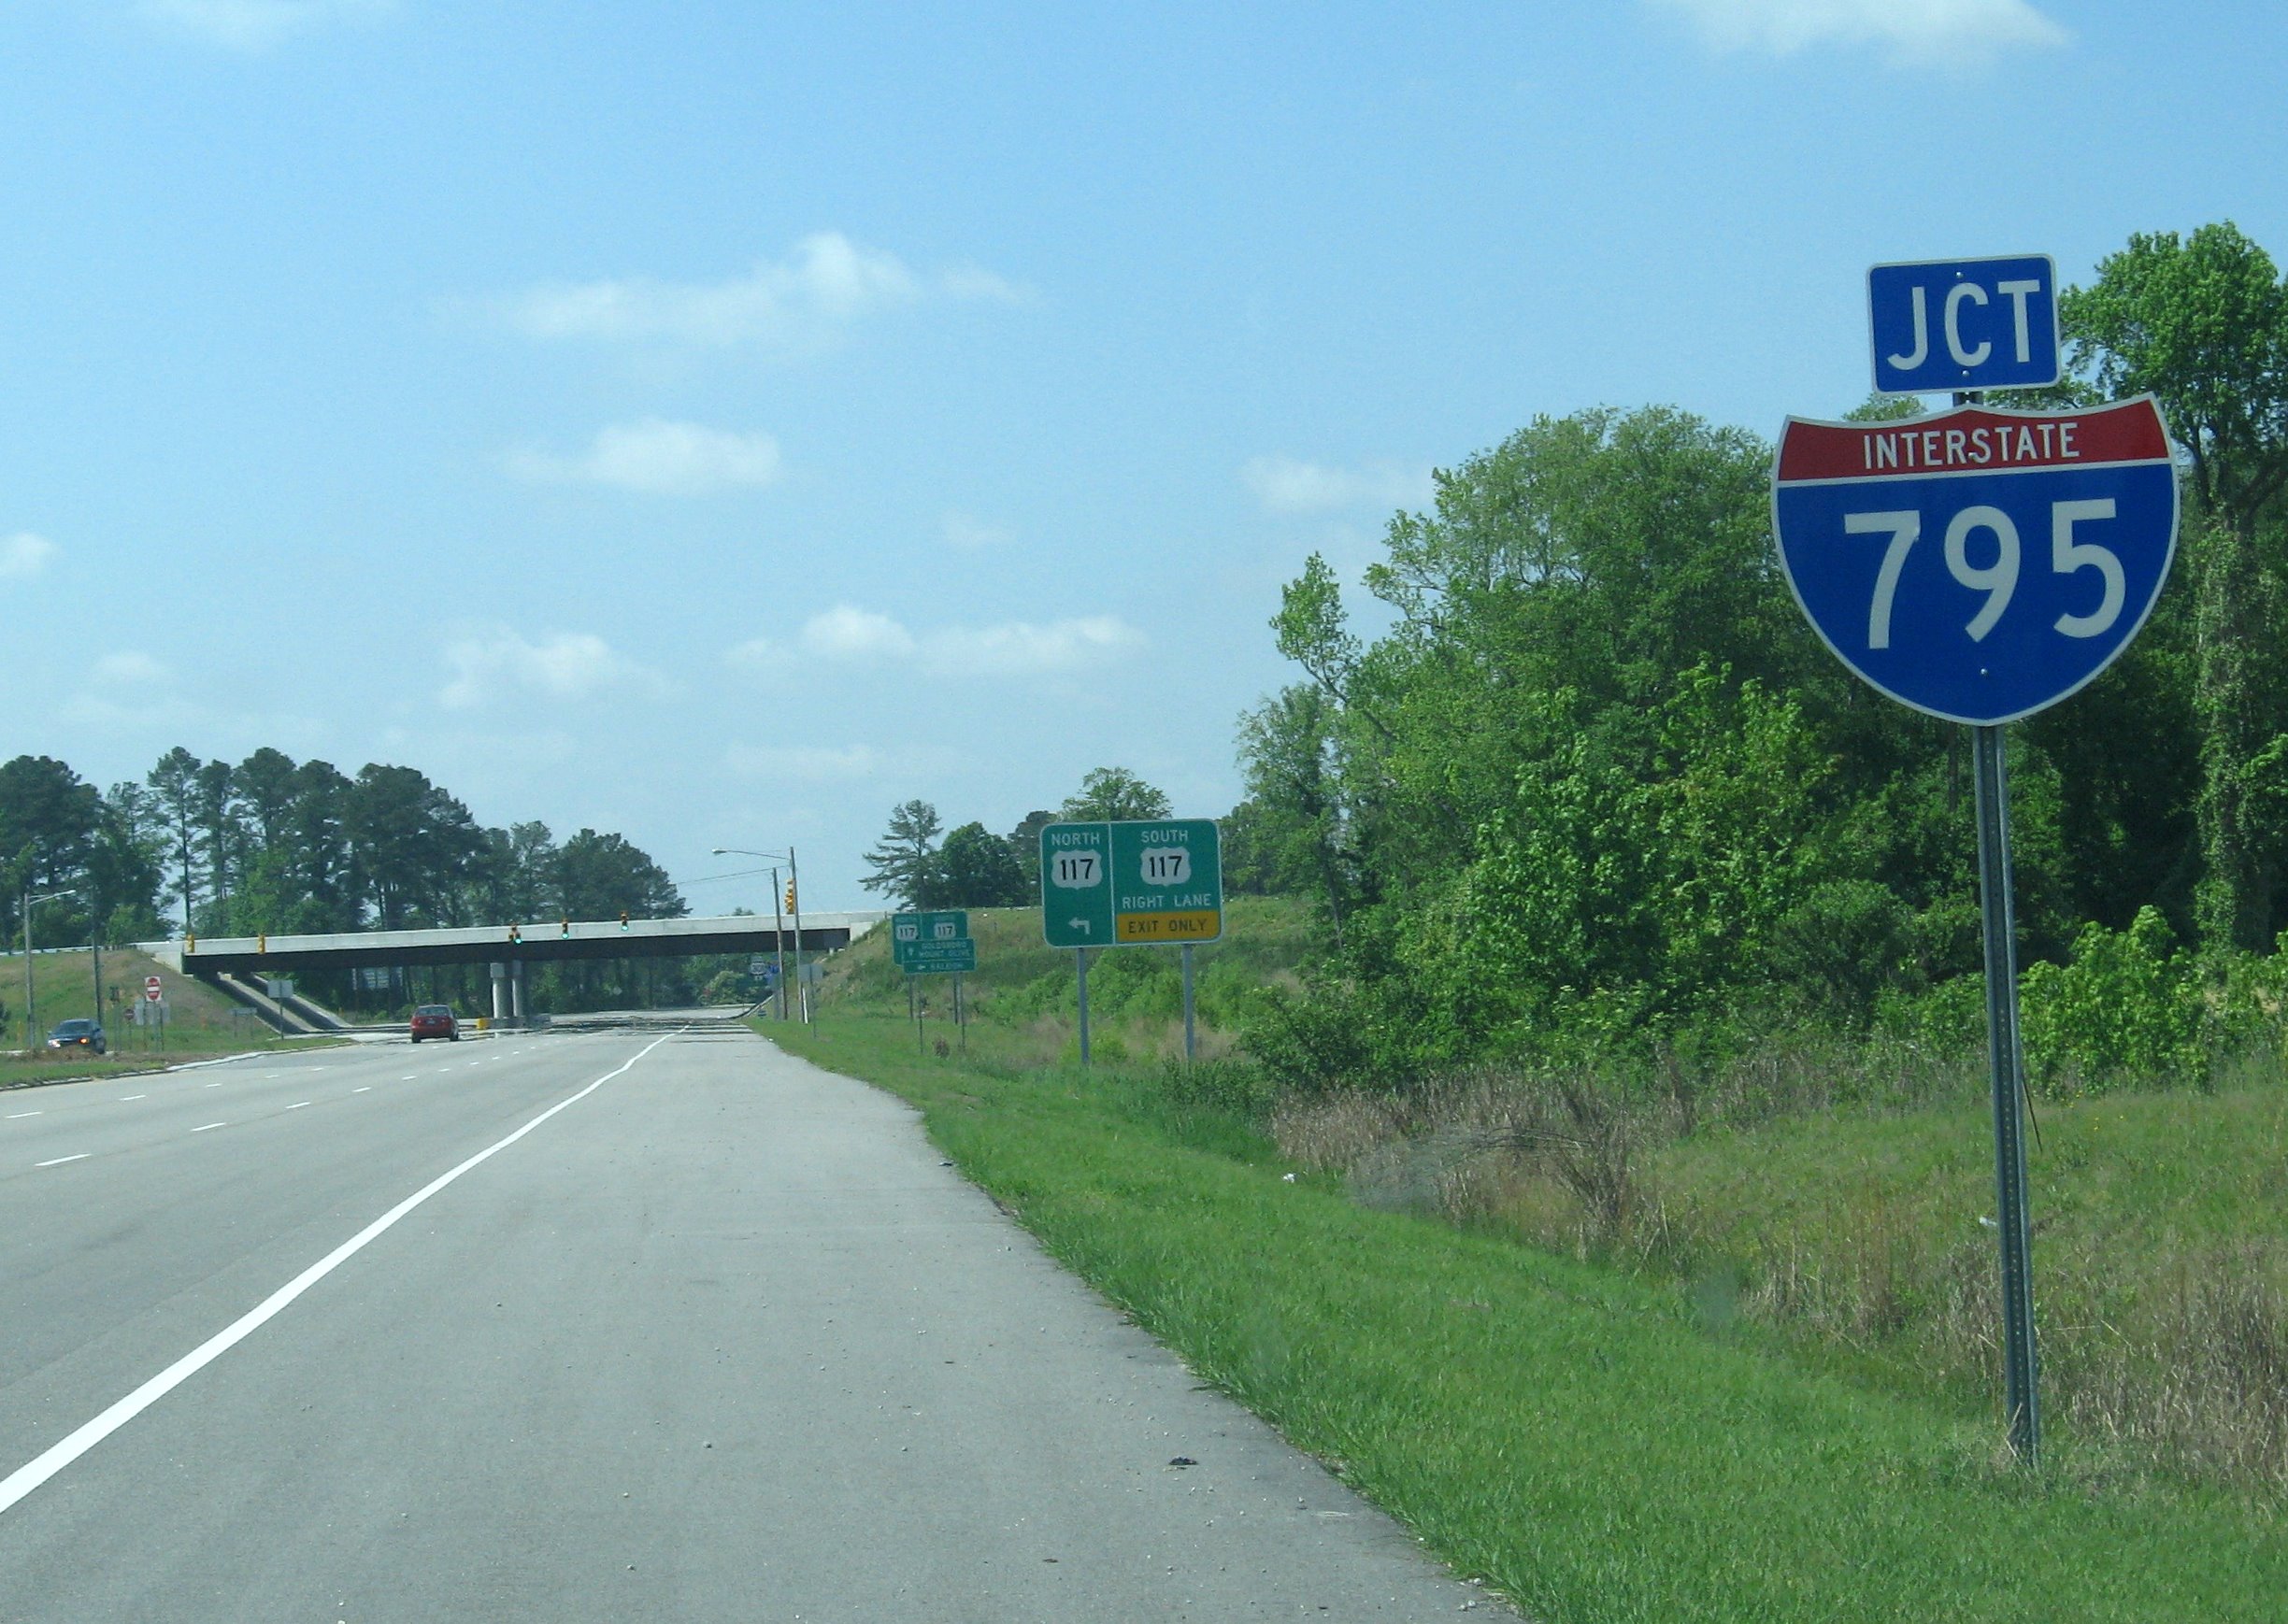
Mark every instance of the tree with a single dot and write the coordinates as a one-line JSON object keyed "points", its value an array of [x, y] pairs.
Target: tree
{"points": [[902, 863], [265, 782], [411, 844], [1112, 794], [219, 829], [600, 875], [325, 881], [1025, 847], [175, 780], [48, 820], [975, 869], [2202, 323], [1288, 752]]}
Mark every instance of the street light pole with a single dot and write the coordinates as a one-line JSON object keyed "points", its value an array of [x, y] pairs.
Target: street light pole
{"points": [[802, 992], [779, 939], [31, 902], [777, 922]]}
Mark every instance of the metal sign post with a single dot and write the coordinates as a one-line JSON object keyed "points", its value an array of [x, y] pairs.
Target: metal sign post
{"points": [[1978, 566], [1082, 962], [2019, 1388], [1190, 1046]]}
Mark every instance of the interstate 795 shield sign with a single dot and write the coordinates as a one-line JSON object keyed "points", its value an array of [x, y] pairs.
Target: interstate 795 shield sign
{"points": [[1977, 565]]}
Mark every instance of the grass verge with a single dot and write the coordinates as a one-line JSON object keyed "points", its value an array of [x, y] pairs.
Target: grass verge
{"points": [[1572, 1436]]}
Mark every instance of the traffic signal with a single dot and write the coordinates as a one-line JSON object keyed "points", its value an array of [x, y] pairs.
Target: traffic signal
{"points": [[789, 896], [623, 918], [516, 933], [567, 926]]}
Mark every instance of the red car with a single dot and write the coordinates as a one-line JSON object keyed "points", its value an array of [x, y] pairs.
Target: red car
{"points": [[436, 1021]]}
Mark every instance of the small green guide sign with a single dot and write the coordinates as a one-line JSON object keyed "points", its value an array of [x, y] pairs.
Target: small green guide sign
{"points": [[935, 943], [1153, 882]]}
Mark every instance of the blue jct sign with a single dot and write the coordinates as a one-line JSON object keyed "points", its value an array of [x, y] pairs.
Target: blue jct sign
{"points": [[1945, 325], [1979, 565]]}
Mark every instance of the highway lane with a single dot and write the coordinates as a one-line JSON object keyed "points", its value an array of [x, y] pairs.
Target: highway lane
{"points": [[719, 1338], [156, 1217]]}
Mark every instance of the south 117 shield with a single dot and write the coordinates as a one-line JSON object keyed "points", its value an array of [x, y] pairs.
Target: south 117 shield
{"points": [[1976, 564]]}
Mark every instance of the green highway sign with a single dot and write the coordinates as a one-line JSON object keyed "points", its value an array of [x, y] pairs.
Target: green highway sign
{"points": [[1076, 867], [1151, 882], [927, 934], [941, 958]]}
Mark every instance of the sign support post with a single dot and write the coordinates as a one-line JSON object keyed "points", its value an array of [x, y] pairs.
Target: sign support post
{"points": [[1084, 1043], [2021, 1400], [1190, 1045]]}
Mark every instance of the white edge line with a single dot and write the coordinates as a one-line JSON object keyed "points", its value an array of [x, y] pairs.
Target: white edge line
{"points": [[62, 1453]]}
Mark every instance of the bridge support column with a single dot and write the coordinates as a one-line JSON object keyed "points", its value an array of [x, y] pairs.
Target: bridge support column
{"points": [[516, 992], [500, 993]]}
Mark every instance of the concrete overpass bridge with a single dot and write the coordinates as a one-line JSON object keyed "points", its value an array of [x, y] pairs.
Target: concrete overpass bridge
{"points": [[506, 950]]}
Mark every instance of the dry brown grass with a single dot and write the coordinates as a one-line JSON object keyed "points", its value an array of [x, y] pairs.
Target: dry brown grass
{"points": [[2179, 1367]]}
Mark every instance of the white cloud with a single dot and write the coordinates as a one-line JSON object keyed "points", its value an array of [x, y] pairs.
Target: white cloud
{"points": [[825, 283], [1954, 33], [810, 764], [1286, 485], [848, 632], [973, 535], [660, 458], [256, 24], [849, 635], [499, 663], [25, 555], [758, 654], [1017, 647], [130, 668]]}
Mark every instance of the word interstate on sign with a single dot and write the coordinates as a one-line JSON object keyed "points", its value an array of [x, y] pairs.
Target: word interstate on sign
{"points": [[2050, 534], [2045, 443], [1943, 325]]}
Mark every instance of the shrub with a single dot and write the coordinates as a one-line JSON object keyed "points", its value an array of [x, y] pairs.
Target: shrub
{"points": [[2128, 1008]]}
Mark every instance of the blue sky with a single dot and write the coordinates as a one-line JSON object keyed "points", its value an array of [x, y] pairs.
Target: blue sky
{"points": [[719, 423]]}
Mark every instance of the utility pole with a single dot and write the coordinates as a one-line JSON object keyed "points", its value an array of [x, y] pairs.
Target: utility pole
{"points": [[802, 992], [778, 940]]}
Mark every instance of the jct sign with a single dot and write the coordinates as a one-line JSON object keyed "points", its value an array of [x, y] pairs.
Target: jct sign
{"points": [[1943, 325], [1979, 565]]}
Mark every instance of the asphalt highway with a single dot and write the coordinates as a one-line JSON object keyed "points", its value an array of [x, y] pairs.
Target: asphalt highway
{"points": [[624, 1326]]}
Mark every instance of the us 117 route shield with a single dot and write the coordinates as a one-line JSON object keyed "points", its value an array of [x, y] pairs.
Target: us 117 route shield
{"points": [[1979, 565]]}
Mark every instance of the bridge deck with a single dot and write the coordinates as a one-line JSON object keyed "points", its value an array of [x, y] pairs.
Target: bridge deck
{"points": [[537, 943]]}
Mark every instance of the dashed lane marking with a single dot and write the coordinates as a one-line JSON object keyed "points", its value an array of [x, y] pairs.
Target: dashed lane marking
{"points": [[297, 1105], [59, 1455], [210, 1125], [62, 1159]]}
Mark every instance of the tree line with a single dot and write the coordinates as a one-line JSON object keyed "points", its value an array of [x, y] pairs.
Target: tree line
{"points": [[272, 845], [1599, 779], [918, 866]]}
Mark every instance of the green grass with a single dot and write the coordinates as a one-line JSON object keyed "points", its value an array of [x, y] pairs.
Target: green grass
{"points": [[201, 1021], [2160, 1257], [1023, 994], [1571, 1434]]}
